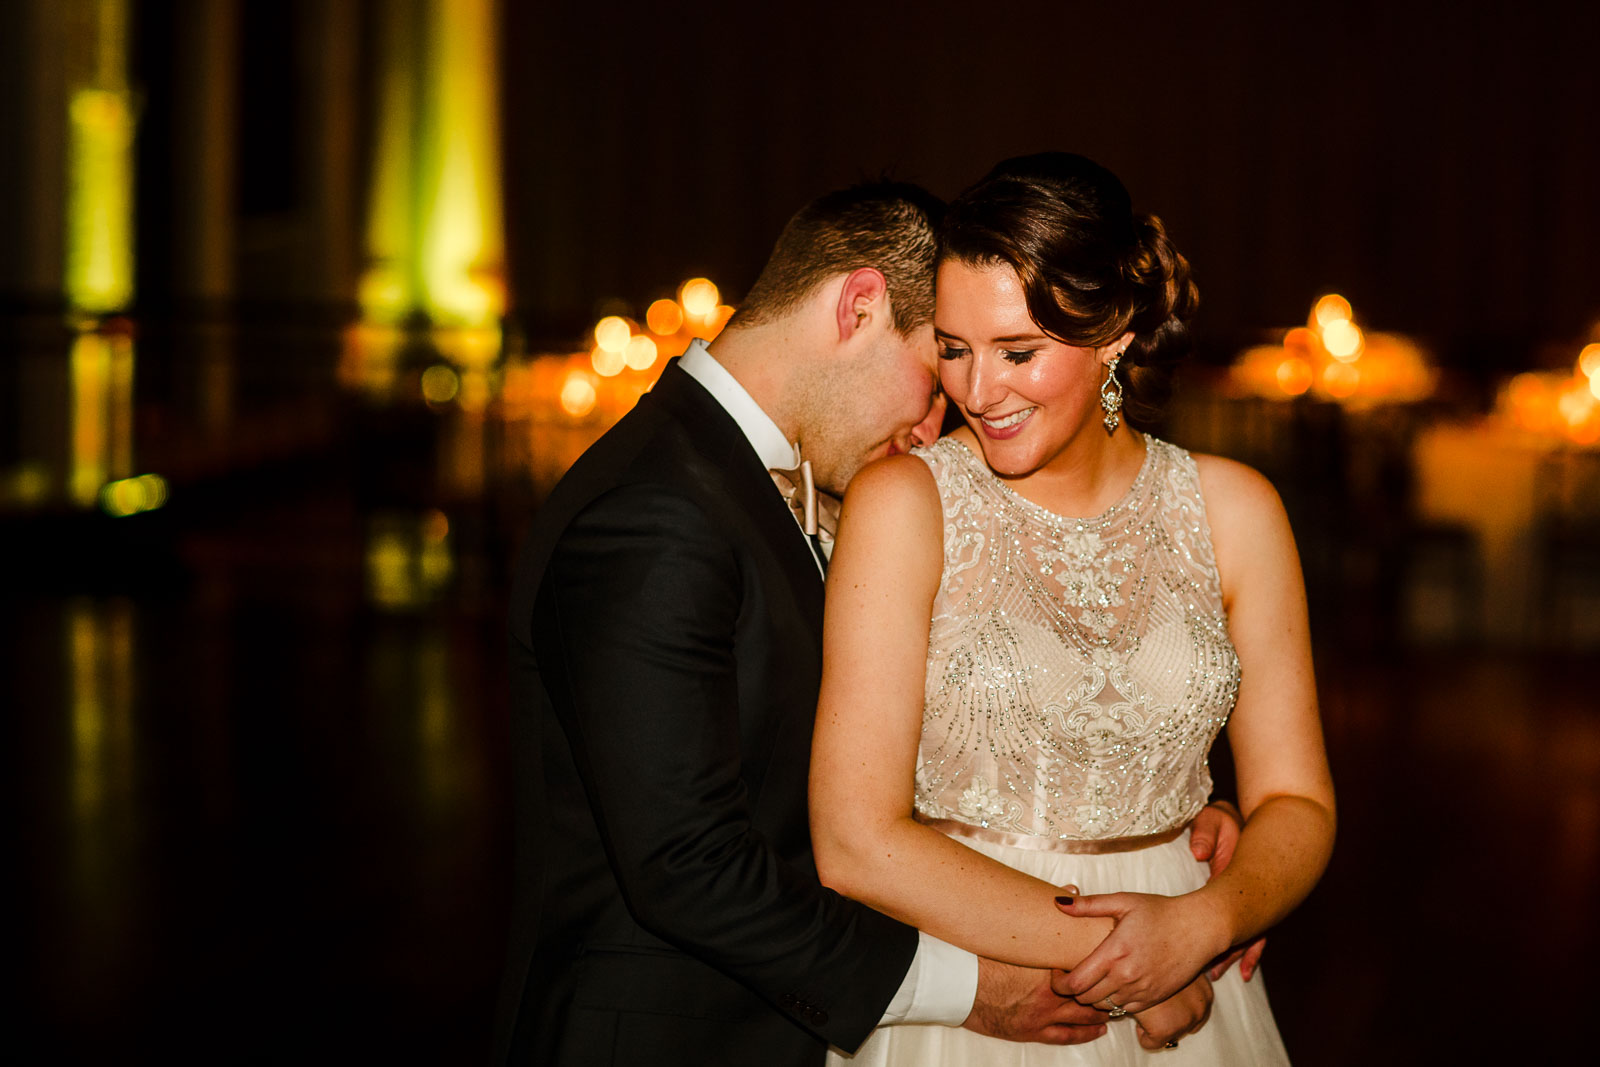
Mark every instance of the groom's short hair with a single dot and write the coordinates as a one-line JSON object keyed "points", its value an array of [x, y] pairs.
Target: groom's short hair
{"points": [[891, 226]]}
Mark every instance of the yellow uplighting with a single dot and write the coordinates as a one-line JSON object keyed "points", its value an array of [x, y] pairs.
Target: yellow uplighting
{"points": [[100, 692], [434, 560], [612, 332], [1342, 338], [1294, 376], [130, 496], [578, 394], [1589, 360], [102, 413], [460, 239], [99, 254], [664, 317], [440, 384], [607, 363], [699, 298], [1331, 309], [434, 242], [640, 353]]}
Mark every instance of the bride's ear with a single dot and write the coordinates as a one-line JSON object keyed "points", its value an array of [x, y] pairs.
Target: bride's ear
{"points": [[1116, 348], [863, 296]]}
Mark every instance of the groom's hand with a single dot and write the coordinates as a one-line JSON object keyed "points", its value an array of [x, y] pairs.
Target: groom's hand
{"points": [[1017, 1004], [1212, 839]]}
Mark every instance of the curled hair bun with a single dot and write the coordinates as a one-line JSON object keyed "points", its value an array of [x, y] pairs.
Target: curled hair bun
{"points": [[1167, 299], [1157, 266], [1091, 268]]}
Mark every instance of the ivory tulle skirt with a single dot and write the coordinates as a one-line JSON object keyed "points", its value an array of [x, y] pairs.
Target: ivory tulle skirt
{"points": [[1240, 1032]]}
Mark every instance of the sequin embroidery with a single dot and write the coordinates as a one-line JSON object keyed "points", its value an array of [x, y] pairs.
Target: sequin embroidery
{"points": [[1078, 669]]}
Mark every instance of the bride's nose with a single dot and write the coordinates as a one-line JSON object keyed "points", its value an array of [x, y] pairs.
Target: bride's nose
{"points": [[984, 385]]}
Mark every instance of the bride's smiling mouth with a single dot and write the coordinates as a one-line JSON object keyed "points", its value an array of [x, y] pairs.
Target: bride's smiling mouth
{"points": [[1007, 425]]}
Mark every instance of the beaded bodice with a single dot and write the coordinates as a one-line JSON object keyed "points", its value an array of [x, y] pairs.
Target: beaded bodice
{"points": [[1078, 669]]}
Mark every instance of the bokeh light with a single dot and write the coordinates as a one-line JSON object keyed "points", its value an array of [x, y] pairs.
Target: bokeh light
{"points": [[699, 298], [664, 317], [440, 384], [612, 332], [1340, 379], [1294, 375], [606, 362], [1589, 360], [640, 353], [1342, 338], [578, 394], [130, 496], [1331, 309]]}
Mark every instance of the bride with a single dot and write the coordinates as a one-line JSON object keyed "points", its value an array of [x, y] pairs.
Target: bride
{"points": [[1035, 629]]}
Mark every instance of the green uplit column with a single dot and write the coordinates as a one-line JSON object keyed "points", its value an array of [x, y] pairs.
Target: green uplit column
{"points": [[98, 269], [434, 233]]}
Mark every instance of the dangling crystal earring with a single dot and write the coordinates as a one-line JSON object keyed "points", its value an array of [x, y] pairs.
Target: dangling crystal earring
{"points": [[1111, 395]]}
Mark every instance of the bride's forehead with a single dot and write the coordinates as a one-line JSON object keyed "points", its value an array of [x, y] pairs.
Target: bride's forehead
{"points": [[985, 299]]}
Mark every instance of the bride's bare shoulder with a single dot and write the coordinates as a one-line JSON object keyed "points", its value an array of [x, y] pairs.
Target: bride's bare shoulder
{"points": [[894, 482], [1235, 492]]}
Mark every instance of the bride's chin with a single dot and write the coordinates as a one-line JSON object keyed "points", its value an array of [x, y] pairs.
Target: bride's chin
{"points": [[1004, 468]]}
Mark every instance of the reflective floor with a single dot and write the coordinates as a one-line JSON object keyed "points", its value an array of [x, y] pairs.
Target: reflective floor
{"points": [[256, 764]]}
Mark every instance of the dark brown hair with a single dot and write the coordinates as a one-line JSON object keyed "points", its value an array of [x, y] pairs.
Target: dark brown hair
{"points": [[1091, 267], [887, 225]]}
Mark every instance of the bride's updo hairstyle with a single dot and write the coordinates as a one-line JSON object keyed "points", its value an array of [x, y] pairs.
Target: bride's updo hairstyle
{"points": [[1091, 267]]}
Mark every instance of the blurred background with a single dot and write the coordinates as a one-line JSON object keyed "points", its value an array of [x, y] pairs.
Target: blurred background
{"points": [[305, 304]]}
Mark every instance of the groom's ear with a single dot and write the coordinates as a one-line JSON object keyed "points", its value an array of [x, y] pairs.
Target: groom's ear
{"points": [[863, 297]]}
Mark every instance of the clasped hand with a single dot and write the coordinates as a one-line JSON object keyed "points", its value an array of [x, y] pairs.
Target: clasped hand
{"points": [[1158, 947]]}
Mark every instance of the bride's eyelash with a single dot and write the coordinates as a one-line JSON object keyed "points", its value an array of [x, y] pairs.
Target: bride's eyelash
{"points": [[1018, 357], [951, 352]]}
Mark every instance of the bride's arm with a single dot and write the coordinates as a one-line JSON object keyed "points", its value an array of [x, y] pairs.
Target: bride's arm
{"points": [[881, 585], [1285, 789]]}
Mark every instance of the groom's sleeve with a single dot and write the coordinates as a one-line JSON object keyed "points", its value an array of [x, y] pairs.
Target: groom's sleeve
{"points": [[646, 595], [941, 986]]}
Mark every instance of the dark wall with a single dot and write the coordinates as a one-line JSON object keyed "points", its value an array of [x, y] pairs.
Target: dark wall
{"points": [[1437, 163]]}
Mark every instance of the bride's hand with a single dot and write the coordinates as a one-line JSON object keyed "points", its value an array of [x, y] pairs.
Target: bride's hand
{"points": [[1182, 1013], [1158, 947]]}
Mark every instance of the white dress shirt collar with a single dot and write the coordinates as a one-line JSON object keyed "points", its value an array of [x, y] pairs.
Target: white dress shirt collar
{"points": [[757, 426]]}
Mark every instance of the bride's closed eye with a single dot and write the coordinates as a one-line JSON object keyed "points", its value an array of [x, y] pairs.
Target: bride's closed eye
{"points": [[951, 352], [1018, 357]]}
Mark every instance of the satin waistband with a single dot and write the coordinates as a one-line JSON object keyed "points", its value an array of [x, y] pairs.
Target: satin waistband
{"points": [[1035, 843]]}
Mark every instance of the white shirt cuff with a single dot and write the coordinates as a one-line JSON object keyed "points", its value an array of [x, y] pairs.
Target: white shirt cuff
{"points": [[939, 987]]}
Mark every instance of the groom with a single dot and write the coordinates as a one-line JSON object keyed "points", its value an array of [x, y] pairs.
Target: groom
{"points": [[666, 639]]}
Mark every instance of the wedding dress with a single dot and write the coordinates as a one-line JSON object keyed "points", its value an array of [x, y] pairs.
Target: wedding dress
{"points": [[1078, 671]]}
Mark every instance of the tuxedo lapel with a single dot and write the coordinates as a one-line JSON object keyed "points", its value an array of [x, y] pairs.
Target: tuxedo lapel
{"points": [[745, 483]]}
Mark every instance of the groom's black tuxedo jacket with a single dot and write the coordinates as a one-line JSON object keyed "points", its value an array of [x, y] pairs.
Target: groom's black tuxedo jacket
{"points": [[666, 656]]}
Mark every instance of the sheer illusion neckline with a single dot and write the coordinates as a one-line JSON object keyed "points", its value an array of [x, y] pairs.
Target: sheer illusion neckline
{"points": [[1124, 503]]}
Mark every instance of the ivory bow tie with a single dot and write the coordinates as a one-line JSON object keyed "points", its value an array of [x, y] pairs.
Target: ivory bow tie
{"points": [[818, 513]]}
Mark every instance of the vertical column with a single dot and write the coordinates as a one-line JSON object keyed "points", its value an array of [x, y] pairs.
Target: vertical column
{"points": [[434, 229], [332, 34], [205, 112], [98, 271], [33, 124]]}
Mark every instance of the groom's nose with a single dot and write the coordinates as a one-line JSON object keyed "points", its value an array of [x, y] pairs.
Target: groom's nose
{"points": [[926, 432]]}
